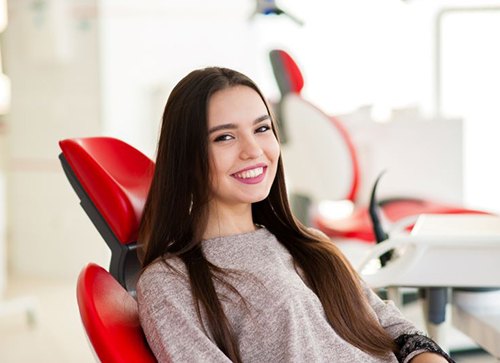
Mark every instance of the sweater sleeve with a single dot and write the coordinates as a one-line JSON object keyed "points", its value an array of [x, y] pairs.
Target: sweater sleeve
{"points": [[169, 320], [408, 338], [411, 345], [389, 316]]}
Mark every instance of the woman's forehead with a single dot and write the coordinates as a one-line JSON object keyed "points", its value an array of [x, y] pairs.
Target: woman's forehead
{"points": [[235, 104]]}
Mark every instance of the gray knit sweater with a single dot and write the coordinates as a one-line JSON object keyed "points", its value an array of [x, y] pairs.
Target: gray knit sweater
{"points": [[282, 320]]}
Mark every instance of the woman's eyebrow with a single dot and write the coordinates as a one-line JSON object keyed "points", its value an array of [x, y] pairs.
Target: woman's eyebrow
{"points": [[231, 126], [261, 118]]}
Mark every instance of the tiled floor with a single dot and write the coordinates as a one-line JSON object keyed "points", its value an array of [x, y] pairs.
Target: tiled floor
{"points": [[58, 336]]}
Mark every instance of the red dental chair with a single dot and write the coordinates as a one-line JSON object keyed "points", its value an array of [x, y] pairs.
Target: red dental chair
{"points": [[112, 180], [327, 169], [109, 315]]}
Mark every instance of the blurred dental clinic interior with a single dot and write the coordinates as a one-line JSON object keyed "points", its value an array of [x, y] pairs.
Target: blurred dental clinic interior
{"points": [[414, 86]]}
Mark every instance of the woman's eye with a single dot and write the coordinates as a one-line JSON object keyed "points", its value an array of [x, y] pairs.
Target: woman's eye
{"points": [[263, 128], [224, 137]]}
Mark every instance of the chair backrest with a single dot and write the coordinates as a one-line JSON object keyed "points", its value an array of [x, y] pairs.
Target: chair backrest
{"points": [[288, 75], [112, 180], [321, 160], [109, 315]]}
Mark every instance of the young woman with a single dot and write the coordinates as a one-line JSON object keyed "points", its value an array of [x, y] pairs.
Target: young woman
{"points": [[229, 274]]}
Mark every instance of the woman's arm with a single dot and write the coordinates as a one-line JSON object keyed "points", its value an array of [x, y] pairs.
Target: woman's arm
{"points": [[428, 358], [411, 341]]}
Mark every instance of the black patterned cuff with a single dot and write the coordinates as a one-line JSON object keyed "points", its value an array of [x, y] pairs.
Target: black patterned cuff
{"points": [[409, 343]]}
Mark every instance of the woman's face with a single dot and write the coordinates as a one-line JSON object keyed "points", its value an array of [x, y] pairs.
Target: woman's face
{"points": [[243, 150]]}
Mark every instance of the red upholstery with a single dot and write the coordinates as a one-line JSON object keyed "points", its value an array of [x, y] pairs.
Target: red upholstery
{"points": [[113, 174], [359, 225], [287, 72], [294, 74], [109, 315]]}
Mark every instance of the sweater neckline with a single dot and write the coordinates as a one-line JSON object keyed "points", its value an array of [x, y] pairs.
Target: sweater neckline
{"points": [[244, 235]]}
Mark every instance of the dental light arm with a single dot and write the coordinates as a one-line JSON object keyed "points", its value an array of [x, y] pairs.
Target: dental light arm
{"points": [[269, 7]]}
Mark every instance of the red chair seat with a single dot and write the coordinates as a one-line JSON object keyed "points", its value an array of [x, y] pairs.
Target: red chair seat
{"points": [[109, 315]]}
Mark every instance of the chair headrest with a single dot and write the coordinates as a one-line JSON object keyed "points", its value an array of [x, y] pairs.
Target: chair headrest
{"points": [[116, 177], [286, 72]]}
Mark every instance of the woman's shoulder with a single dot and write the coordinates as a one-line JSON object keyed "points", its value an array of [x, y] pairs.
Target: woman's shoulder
{"points": [[163, 272], [163, 285]]}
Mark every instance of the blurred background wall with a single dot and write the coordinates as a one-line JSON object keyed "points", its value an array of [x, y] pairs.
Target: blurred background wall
{"points": [[106, 67]]}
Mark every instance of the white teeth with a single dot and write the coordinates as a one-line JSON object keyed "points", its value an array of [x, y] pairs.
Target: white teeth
{"points": [[250, 173]]}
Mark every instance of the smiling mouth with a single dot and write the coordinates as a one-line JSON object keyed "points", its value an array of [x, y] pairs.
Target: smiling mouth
{"points": [[250, 174]]}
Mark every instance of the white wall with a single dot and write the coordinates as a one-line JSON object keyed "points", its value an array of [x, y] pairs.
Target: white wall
{"points": [[471, 88], [3, 215], [382, 54], [51, 56], [90, 67], [147, 47]]}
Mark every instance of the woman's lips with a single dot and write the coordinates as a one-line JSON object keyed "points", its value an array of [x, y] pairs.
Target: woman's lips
{"points": [[251, 176]]}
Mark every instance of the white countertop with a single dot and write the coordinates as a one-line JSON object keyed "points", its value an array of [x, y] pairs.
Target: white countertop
{"points": [[482, 327]]}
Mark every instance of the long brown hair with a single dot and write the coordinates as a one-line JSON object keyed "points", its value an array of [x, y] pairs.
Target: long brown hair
{"points": [[175, 216]]}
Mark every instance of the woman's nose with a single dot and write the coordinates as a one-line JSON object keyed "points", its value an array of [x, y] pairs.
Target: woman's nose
{"points": [[250, 148]]}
